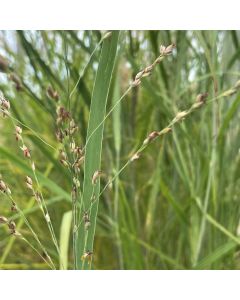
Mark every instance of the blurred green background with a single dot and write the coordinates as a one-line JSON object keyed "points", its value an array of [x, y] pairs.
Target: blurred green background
{"points": [[149, 218]]}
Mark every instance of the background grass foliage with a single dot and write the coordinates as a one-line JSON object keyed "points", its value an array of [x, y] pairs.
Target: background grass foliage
{"points": [[178, 205]]}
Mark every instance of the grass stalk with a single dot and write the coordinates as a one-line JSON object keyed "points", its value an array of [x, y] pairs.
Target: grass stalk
{"points": [[85, 237]]}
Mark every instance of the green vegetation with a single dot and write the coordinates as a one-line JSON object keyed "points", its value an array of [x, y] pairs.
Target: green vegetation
{"points": [[119, 150]]}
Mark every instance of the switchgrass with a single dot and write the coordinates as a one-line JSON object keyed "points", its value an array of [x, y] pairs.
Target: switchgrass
{"points": [[93, 148], [169, 191]]}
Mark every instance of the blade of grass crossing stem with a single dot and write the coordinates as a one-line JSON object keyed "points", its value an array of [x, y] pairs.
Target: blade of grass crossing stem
{"points": [[85, 237], [64, 239], [117, 145]]}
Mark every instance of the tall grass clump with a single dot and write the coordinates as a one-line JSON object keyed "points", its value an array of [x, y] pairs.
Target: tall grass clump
{"points": [[117, 152]]}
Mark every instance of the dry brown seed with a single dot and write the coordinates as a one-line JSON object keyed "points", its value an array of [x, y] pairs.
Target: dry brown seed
{"points": [[166, 50], [86, 217], [18, 130], [170, 48], [136, 82], [3, 186], [95, 176], [12, 225], [26, 151], [64, 162], [180, 115], [63, 114], [5, 113], [87, 255], [162, 49], [146, 74], [63, 154], [37, 196], [72, 146], [151, 137], [86, 220], [72, 123], [14, 207], [148, 69], [202, 97], [18, 137], [74, 193], [5, 104], [73, 130], [135, 157], [59, 135], [52, 93], [29, 180], [3, 220], [229, 92], [139, 75], [79, 162], [29, 186], [165, 130], [78, 151], [76, 182]]}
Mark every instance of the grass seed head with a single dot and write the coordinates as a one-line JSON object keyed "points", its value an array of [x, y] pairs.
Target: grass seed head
{"points": [[87, 255], [26, 151], [18, 130], [76, 182], [86, 220], [165, 131], [59, 135], [72, 146], [14, 207], [230, 92], [12, 226], [52, 93], [29, 183], [95, 176], [151, 137], [62, 115], [180, 116], [164, 51], [200, 100], [135, 156], [3, 220], [37, 196], [5, 104], [3, 186], [64, 162], [201, 97], [136, 82]]}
